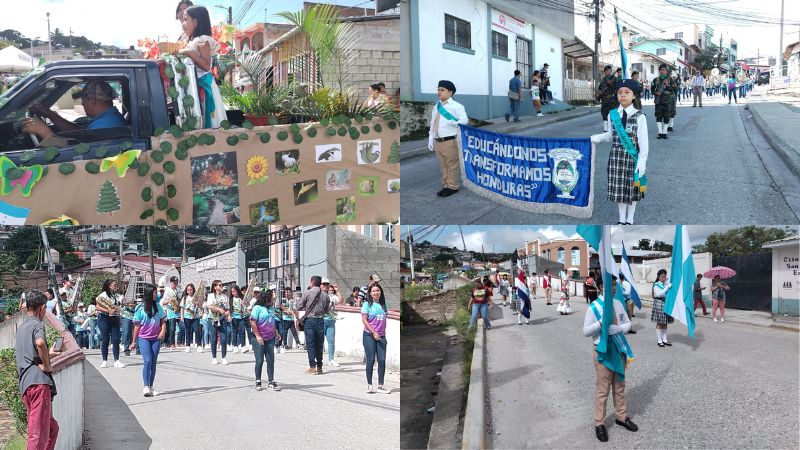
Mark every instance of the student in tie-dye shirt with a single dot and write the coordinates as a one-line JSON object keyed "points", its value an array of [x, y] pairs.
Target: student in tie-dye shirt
{"points": [[262, 321], [373, 315], [238, 323], [148, 331]]}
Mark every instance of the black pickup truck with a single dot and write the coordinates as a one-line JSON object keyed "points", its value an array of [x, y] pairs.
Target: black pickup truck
{"points": [[141, 100]]}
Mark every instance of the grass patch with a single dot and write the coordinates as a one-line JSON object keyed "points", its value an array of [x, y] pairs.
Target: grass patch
{"points": [[17, 443], [460, 322]]}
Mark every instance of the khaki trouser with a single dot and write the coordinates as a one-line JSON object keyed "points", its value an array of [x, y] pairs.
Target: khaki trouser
{"points": [[608, 379], [698, 95], [447, 152]]}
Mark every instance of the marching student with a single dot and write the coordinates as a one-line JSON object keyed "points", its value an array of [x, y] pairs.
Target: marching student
{"points": [[664, 91], [610, 372], [443, 136], [189, 314], [660, 288], [109, 303], [148, 331], [606, 95], [262, 321], [238, 323], [217, 304], [628, 159], [504, 287], [170, 304]]}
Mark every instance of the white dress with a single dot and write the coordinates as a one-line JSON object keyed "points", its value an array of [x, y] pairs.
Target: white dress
{"points": [[563, 305], [219, 108]]}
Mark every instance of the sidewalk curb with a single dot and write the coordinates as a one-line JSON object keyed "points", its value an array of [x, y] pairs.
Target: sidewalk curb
{"points": [[780, 147], [474, 436], [448, 401]]}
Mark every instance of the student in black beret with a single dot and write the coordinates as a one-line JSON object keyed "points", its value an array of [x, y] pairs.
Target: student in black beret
{"points": [[444, 131]]}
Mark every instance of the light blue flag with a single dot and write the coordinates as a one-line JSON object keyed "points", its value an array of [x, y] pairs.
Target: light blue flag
{"points": [[621, 48], [679, 302], [625, 269]]}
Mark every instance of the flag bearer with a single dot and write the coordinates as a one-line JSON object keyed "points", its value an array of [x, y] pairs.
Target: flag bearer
{"points": [[443, 137]]}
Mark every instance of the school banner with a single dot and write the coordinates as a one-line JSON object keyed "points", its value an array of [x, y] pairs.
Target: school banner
{"points": [[542, 175]]}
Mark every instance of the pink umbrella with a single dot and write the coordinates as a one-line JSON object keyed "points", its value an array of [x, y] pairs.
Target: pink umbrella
{"points": [[722, 271]]}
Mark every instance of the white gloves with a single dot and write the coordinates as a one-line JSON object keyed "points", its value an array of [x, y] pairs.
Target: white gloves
{"points": [[640, 168], [614, 329], [430, 143]]}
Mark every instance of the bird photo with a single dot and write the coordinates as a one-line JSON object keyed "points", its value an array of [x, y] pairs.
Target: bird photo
{"points": [[287, 162], [305, 191], [264, 213], [329, 153]]}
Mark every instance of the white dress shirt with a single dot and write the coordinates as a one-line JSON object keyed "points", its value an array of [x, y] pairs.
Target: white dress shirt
{"points": [[592, 327], [698, 80], [641, 134], [661, 293], [447, 127]]}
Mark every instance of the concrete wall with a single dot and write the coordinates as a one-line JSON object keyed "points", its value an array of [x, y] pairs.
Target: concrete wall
{"points": [[349, 342], [227, 265], [547, 49], [405, 52], [786, 279], [379, 56], [645, 273]]}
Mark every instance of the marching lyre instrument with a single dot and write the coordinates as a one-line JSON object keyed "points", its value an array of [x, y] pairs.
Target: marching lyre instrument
{"points": [[109, 304]]}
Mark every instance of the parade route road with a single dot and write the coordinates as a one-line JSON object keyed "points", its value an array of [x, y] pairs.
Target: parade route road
{"points": [[203, 406], [708, 171], [733, 386]]}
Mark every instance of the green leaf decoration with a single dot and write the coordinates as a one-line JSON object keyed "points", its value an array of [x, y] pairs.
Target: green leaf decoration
{"points": [[190, 124], [101, 152], [247, 124], [378, 128], [147, 213], [273, 120], [330, 131], [50, 153], [162, 203], [312, 132], [348, 122], [171, 191], [172, 91], [159, 131], [127, 145], [298, 138], [184, 82], [243, 137], [324, 122], [158, 178], [180, 67], [147, 194], [364, 129], [232, 140], [181, 154], [191, 142], [176, 131], [392, 124], [295, 128], [161, 223], [225, 125], [182, 146], [394, 154], [82, 149], [169, 167], [211, 139], [166, 146], [66, 168], [264, 137], [157, 155], [169, 72], [28, 155], [188, 101], [358, 118], [342, 131], [92, 167], [368, 115], [142, 169], [354, 134], [172, 214], [283, 135]]}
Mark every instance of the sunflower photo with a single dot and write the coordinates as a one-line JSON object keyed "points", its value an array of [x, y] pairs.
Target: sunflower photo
{"points": [[264, 213], [257, 170], [367, 186], [287, 162], [305, 192], [345, 209]]}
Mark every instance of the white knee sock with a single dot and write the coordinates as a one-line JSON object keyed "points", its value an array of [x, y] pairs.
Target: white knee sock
{"points": [[621, 207], [664, 334], [658, 334], [660, 127], [605, 125], [672, 122], [631, 210], [664, 127]]}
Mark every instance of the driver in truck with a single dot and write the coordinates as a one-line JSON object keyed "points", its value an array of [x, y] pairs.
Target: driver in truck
{"points": [[97, 99]]}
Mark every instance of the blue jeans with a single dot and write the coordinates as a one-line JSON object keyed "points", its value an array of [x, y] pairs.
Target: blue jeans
{"points": [[83, 335], [514, 109], [180, 333], [315, 336], [223, 336], [92, 333], [330, 336], [191, 333], [127, 333], [251, 338], [149, 349], [286, 326], [206, 331], [265, 352], [238, 325], [109, 330], [483, 309], [374, 348]]}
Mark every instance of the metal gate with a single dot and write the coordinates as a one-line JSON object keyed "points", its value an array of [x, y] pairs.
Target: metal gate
{"points": [[751, 288]]}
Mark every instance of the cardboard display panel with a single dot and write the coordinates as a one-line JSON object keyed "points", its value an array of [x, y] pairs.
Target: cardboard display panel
{"points": [[298, 174]]}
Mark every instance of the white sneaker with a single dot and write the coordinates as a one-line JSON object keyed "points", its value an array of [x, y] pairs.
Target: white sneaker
{"points": [[722, 319], [224, 362], [214, 361], [105, 363], [539, 115], [715, 319], [244, 349], [147, 392], [370, 389], [199, 349], [384, 390], [333, 363], [118, 365], [155, 392], [187, 350], [235, 349], [283, 350]]}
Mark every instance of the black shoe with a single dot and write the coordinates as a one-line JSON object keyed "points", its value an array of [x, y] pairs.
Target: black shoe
{"points": [[620, 223], [506, 117], [602, 434], [632, 332], [668, 343], [665, 136], [670, 129], [660, 136], [441, 193], [128, 353], [660, 344], [628, 424], [448, 192]]}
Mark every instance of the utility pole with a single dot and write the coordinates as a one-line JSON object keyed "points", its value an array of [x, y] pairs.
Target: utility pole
{"points": [[51, 271], [70, 37], [184, 258], [50, 37], [595, 57], [780, 50], [411, 253], [150, 253], [121, 254]]}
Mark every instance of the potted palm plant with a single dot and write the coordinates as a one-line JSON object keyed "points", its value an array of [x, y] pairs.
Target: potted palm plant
{"points": [[262, 104]]}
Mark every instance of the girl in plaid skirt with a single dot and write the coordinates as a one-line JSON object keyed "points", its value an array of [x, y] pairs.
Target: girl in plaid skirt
{"points": [[658, 315], [621, 165]]}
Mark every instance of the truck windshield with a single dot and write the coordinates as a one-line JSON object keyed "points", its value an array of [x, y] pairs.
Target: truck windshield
{"points": [[6, 96]]}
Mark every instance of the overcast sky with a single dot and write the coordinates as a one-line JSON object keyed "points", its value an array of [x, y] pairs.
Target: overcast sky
{"points": [[124, 22], [505, 238]]}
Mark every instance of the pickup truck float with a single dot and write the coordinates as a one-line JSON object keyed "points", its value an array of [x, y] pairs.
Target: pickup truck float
{"points": [[160, 170]]}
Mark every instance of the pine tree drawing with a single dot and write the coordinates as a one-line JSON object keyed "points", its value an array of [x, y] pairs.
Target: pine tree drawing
{"points": [[108, 200], [394, 155]]}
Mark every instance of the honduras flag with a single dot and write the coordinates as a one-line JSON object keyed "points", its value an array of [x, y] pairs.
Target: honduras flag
{"points": [[680, 302], [599, 238], [625, 269], [521, 283]]}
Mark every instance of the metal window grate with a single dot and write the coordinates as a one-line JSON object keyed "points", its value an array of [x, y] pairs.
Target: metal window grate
{"points": [[524, 61], [661, 51], [457, 32], [499, 44]]}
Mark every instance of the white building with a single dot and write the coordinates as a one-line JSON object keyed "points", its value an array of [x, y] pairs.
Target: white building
{"points": [[785, 275], [477, 44]]}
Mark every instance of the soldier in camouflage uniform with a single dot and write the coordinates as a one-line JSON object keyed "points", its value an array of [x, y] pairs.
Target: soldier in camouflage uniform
{"points": [[663, 90], [607, 95]]}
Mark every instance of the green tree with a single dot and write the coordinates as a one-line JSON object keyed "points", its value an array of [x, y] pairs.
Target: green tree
{"points": [[27, 241], [743, 241], [708, 58], [9, 266], [108, 199], [200, 249], [660, 246], [644, 244]]}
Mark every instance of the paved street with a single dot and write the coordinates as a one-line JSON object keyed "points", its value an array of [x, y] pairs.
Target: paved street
{"points": [[205, 406], [715, 168], [734, 386]]}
